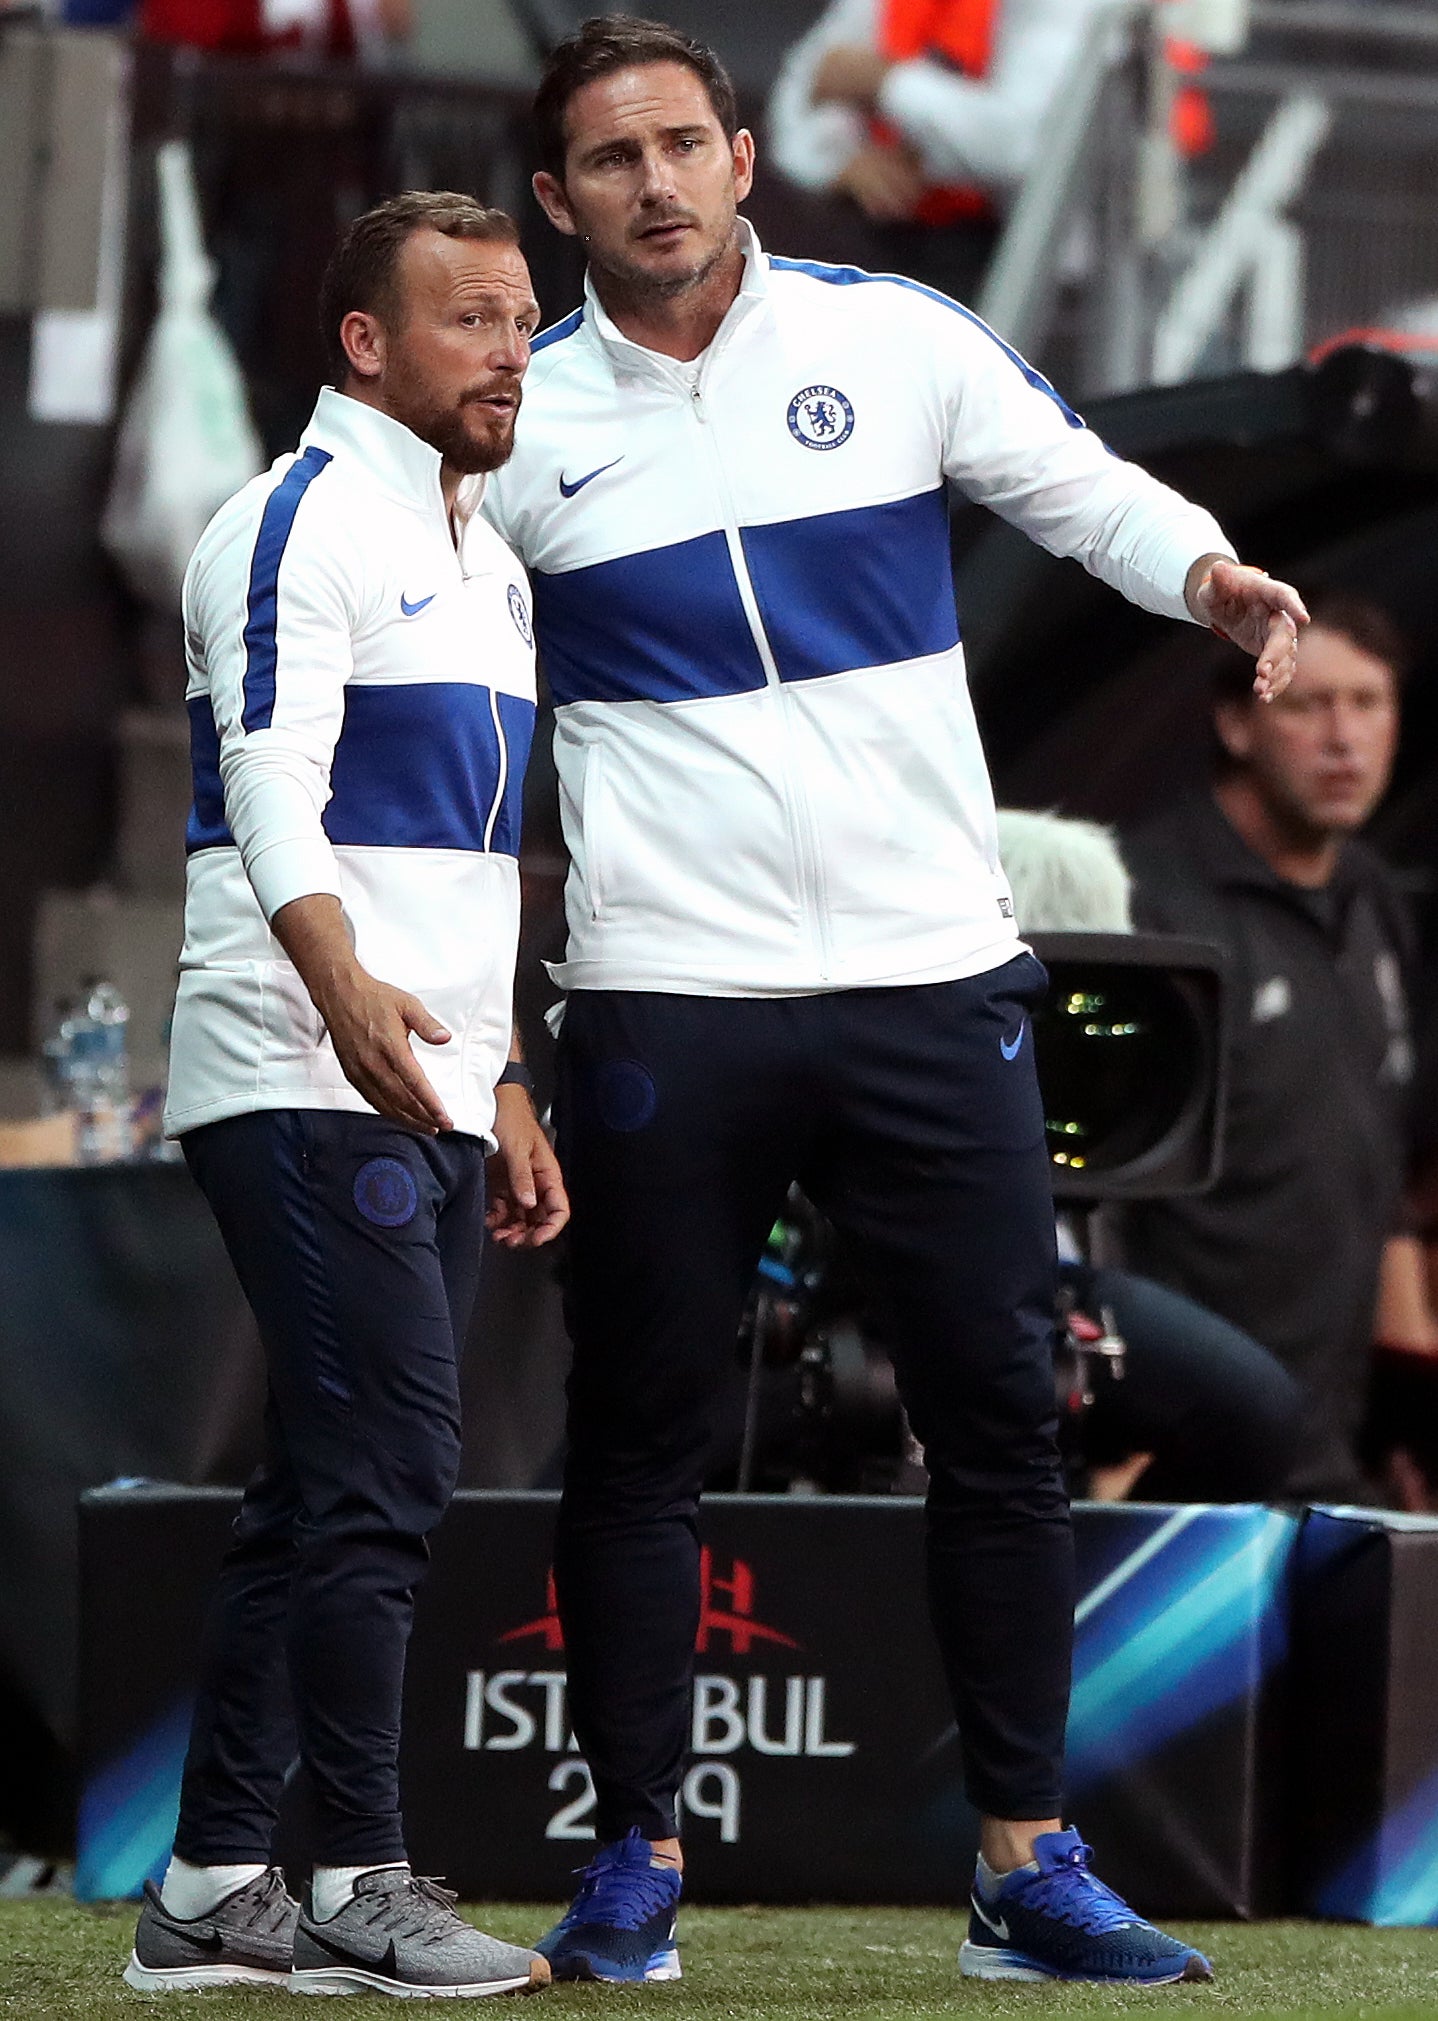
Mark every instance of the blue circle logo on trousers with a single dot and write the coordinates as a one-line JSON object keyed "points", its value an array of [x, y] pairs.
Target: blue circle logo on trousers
{"points": [[625, 1095], [385, 1192]]}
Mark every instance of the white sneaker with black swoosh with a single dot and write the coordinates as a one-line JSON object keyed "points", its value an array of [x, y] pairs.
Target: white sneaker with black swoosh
{"points": [[399, 1934]]}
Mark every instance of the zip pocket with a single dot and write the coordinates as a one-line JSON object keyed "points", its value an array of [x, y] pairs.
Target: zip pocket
{"points": [[593, 805]]}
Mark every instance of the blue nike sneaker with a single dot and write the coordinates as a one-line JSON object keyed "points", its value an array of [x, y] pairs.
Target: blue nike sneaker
{"points": [[1057, 1920], [621, 1924]]}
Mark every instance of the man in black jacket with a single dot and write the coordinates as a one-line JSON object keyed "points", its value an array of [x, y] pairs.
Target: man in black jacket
{"points": [[1288, 1244]]}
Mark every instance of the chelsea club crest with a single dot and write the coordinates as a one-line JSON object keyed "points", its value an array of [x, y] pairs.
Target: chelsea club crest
{"points": [[520, 614], [820, 417]]}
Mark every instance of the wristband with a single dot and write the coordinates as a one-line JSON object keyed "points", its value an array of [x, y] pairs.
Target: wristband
{"points": [[516, 1075]]}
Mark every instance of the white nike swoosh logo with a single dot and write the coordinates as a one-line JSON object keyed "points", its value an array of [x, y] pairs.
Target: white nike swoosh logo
{"points": [[1000, 1928]]}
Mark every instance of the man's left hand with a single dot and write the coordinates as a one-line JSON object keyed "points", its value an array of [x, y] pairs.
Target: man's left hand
{"points": [[1257, 614], [849, 75], [527, 1202]]}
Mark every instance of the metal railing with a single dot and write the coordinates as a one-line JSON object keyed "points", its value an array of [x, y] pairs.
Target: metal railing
{"points": [[1314, 212], [1067, 180]]}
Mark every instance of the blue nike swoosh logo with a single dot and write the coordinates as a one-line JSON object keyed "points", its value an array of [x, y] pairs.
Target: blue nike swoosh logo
{"points": [[412, 610], [568, 490], [1010, 1047]]}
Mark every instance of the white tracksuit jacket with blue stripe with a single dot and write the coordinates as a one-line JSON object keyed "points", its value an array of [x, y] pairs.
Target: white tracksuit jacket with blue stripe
{"points": [[770, 772], [361, 700]]}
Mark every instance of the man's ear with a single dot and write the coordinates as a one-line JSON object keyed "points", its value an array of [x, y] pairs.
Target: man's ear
{"points": [[549, 195], [743, 146], [1233, 721], [365, 343]]}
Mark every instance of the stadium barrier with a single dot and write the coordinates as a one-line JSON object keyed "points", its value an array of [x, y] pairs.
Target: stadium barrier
{"points": [[1365, 1804], [826, 1764]]}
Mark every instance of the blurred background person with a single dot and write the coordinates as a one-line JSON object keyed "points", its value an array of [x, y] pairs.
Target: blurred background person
{"points": [[1201, 1411], [920, 119], [1306, 1216]]}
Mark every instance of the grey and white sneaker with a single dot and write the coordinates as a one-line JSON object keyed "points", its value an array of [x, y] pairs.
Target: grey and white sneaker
{"points": [[245, 1940], [400, 1935]]}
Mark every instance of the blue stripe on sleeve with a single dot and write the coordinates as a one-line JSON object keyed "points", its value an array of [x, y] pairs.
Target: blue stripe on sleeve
{"points": [[848, 277], [207, 827], [262, 608], [557, 332], [665, 625], [867, 587]]}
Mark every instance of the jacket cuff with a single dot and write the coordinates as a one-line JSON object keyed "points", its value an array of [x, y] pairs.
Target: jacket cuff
{"points": [[288, 870], [1218, 545]]}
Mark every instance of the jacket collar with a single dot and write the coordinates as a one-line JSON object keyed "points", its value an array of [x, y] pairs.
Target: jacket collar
{"points": [[391, 455], [626, 354]]}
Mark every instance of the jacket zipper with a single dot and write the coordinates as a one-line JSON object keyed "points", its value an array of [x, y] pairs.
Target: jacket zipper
{"points": [[501, 741], [804, 836], [502, 779]]}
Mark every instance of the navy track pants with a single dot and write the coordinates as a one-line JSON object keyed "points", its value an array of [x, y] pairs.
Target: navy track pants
{"points": [[358, 1246], [911, 1117]]}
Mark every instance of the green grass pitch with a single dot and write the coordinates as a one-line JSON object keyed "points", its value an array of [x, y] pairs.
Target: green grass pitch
{"points": [[58, 1960]]}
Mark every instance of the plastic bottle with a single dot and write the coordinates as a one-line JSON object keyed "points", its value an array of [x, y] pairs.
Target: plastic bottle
{"points": [[99, 1073]]}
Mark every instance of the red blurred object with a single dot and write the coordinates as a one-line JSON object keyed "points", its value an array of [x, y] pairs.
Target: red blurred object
{"points": [[1191, 115], [1375, 339], [1191, 121], [960, 33], [250, 27], [1186, 56]]}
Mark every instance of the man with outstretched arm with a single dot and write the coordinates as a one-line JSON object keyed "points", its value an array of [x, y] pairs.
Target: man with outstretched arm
{"points": [[361, 702], [792, 953]]}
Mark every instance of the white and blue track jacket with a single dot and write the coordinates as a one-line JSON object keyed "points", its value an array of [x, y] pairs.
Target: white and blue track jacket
{"points": [[770, 772], [361, 702]]}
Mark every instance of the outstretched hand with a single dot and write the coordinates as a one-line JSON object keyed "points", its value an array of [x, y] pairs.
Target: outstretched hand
{"points": [[1255, 613]]}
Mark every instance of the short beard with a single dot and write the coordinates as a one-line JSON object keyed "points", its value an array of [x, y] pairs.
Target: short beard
{"points": [[462, 451], [443, 429], [1287, 810], [640, 286]]}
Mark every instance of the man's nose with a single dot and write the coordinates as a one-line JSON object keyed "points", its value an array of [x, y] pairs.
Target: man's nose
{"points": [[657, 178], [1344, 728], [511, 353]]}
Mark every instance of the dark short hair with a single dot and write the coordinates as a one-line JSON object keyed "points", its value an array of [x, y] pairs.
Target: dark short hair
{"points": [[609, 42], [1345, 612], [363, 267]]}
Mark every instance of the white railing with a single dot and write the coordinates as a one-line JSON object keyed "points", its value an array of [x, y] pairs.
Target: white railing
{"points": [[1106, 245], [1250, 248]]}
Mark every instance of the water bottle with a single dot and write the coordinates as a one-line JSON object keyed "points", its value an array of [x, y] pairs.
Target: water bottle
{"points": [[99, 1073]]}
